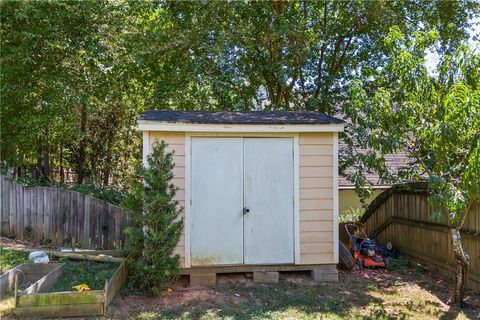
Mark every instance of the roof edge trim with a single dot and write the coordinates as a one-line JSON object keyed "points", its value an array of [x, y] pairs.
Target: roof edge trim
{"points": [[148, 125]]}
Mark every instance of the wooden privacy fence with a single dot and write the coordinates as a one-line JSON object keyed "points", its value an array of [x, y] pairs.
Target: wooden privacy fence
{"points": [[405, 218], [59, 217]]}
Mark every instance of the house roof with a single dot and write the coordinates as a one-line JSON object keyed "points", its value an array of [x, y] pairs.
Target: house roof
{"points": [[241, 117], [394, 162]]}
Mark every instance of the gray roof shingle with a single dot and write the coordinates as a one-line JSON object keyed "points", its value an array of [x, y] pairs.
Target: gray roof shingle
{"points": [[394, 162], [241, 117]]}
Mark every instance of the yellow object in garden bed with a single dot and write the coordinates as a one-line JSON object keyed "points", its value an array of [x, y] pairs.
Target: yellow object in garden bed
{"points": [[82, 287]]}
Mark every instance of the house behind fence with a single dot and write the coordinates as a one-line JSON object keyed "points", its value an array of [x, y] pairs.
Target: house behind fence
{"points": [[59, 217]]}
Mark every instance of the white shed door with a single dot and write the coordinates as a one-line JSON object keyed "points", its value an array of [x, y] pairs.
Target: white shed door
{"points": [[217, 201], [229, 177], [268, 196]]}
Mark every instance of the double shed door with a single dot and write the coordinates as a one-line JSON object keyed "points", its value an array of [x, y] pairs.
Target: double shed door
{"points": [[242, 201]]}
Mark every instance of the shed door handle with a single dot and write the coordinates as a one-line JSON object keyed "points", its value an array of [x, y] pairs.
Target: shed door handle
{"points": [[246, 210]]}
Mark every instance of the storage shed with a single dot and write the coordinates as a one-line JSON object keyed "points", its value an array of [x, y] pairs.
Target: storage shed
{"points": [[259, 189]]}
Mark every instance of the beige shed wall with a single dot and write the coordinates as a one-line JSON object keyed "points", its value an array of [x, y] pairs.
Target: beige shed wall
{"points": [[316, 192], [316, 198], [176, 143]]}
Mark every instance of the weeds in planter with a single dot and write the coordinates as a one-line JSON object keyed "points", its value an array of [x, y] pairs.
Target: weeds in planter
{"points": [[92, 273]]}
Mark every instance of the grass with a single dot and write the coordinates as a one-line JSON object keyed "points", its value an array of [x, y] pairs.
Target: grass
{"points": [[369, 295], [293, 301], [7, 304], [11, 258], [91, 273]]}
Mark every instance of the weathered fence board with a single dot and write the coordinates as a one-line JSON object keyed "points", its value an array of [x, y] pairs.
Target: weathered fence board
{"points": [[59, 217], [405, 218]]}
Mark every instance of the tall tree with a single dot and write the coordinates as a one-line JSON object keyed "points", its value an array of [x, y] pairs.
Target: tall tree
{"points": [[66, 102], [434, 120], [277, 54]]}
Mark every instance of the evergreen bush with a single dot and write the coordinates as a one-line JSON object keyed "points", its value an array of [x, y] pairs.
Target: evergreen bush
{"points": [[155, 226]]}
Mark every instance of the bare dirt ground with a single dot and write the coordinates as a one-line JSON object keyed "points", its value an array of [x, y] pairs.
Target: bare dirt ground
{"points": [[23, 245], [369, 294]]}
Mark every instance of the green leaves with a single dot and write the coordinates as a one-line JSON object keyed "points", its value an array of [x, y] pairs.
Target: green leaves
{"points": [[63, 89], [433, 120], [288, 55], [75, 75]]}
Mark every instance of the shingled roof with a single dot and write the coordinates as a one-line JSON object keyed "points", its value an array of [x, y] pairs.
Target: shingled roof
{"points": [[241, 117], [394, 161]]}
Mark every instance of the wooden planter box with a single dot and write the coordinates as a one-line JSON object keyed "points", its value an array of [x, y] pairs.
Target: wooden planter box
{"points": [[27, 272], [36, 302]]}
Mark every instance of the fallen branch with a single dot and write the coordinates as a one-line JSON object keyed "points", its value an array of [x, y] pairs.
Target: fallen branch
{"points": [[81, 256]]}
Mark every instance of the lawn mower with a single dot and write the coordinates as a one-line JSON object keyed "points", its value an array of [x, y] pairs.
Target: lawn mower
{"points": [[365, 250]]}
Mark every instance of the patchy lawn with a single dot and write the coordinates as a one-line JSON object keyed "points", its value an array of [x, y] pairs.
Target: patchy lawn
{"points": [[407, 293]]}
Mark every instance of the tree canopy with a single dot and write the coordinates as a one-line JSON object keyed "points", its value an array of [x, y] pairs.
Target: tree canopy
{"points": [[291, 55], [76, 74], [64, 100]]}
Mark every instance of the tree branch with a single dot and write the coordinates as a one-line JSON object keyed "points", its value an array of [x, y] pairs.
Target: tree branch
{"points": [[322, 50], [351, 32]]}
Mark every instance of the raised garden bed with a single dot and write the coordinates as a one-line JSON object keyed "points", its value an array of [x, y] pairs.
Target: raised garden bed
{"points": [[52, 295], [27, 274], [92, 273]]}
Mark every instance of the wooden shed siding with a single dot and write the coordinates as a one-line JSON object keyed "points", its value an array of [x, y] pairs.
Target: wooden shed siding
{"points": [[176, 143], [315, 150], [309, 183], [308, 161], [314, 193], [316, 198], [316, 258], [315, 237], [316, 215]]}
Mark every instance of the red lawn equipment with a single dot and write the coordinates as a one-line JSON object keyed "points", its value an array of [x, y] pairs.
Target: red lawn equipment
{"points": [[364, 250]]}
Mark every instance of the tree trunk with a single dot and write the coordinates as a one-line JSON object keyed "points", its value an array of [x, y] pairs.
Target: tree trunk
{"points": [[463, 261], [106, 176], [46, 163], [42, 169], [82, 157], [62, 170]]}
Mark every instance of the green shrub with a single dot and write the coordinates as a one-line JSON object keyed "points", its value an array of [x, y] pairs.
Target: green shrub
{"points": [[154, 224], [109, 194]]}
